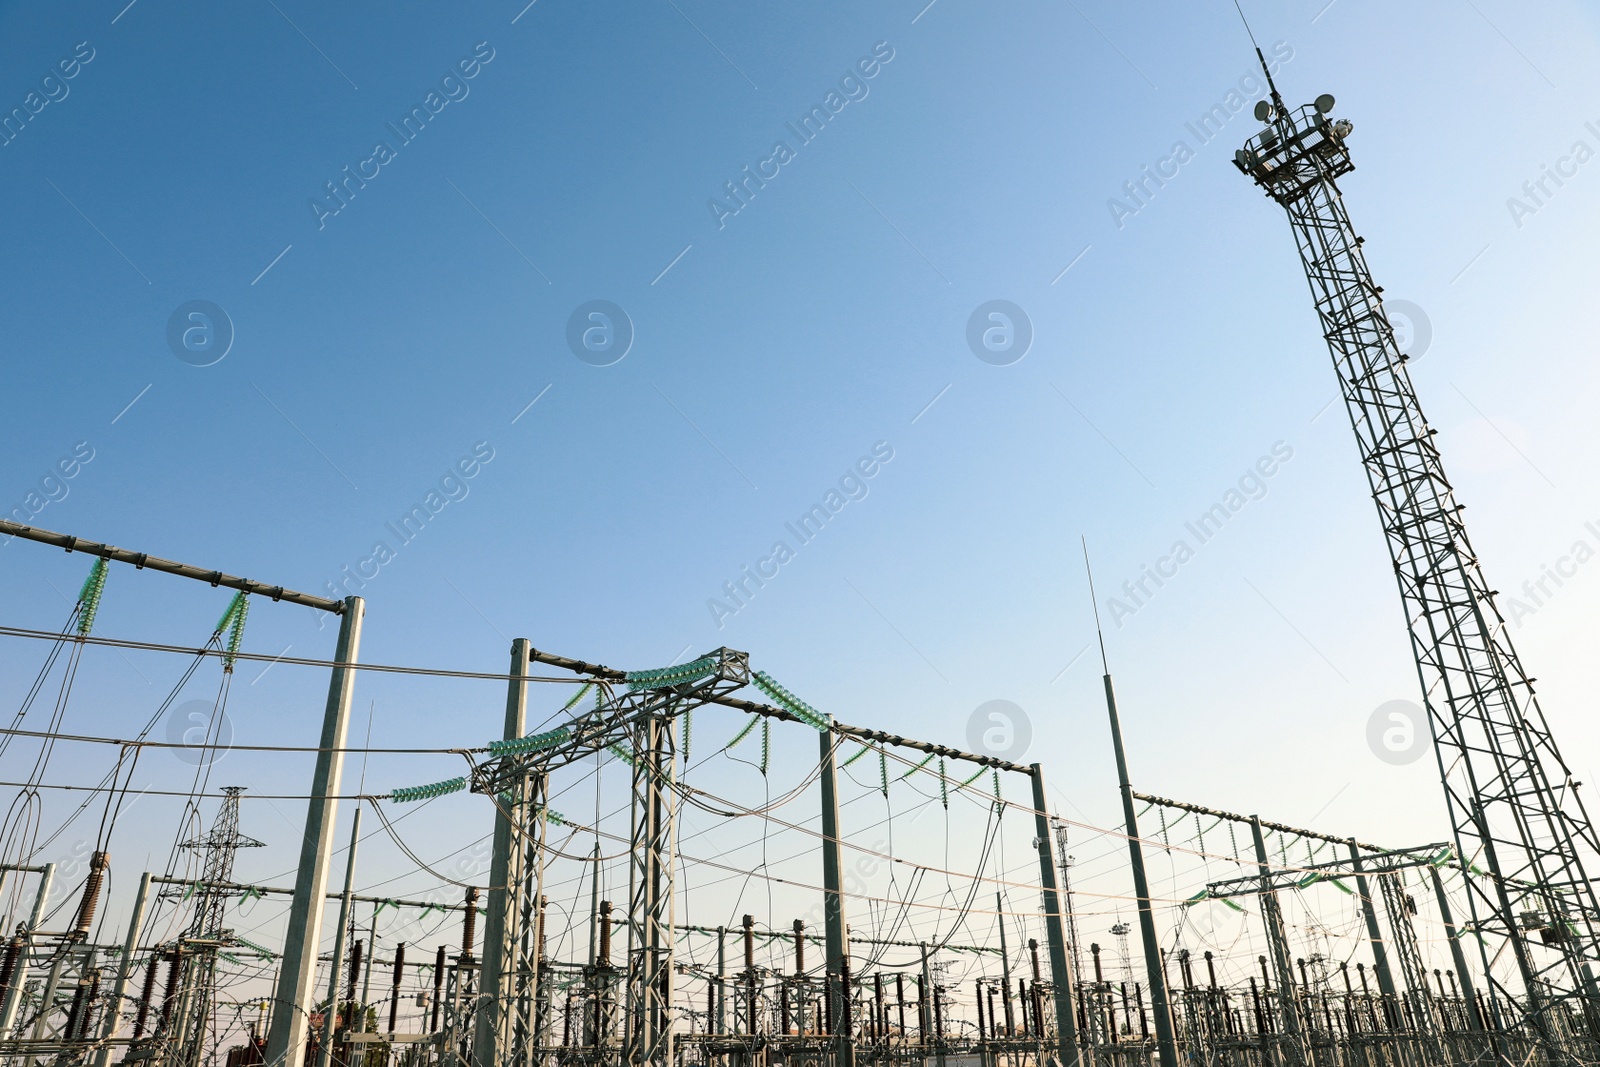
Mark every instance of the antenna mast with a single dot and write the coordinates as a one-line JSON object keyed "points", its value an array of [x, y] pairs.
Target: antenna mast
{"points": [[1512, 800]]}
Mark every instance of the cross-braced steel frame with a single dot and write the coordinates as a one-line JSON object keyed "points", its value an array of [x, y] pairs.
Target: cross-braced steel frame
{"points": [[635, 725], [1512, 801], [516, 1001]]}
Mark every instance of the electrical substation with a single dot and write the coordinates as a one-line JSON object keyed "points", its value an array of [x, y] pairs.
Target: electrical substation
{"points": [[866, 937]]}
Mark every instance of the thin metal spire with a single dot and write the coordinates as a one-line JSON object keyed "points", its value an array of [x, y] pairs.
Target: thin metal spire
{"points": [[1277, 101], [1247, 29], [1094, 602]]}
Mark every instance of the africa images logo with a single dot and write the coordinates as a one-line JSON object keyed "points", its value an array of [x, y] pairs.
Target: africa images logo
{"points": [[1397, 732]]}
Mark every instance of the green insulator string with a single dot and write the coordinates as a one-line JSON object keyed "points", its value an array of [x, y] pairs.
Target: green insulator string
{"points": [[791, 703], [621, 753], [973, 777], [428, 792], [742, 734], [89, 597], [507, 801], [239, 610], [532, 743], [883, 773], [688, 728], [944, 786], [253, 947], [667, 677], [925, 761], [766, 742], [227, 616], [568, 706], [857, 754]]}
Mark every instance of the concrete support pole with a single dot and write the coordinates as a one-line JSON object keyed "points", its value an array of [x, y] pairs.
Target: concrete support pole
{"points": [[1155, 975], [8, 1011], [492, 980], [1453, 935], [1055, 934], [291, 1016], [113, 1010], [1380, 957], [838, 947], [341, 947]]}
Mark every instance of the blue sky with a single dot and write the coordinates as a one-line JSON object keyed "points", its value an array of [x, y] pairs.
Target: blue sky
{"points": [[375, 348]]}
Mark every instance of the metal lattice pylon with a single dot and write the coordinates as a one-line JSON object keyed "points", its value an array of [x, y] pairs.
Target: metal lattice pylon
{"points": [[648, 1037], [1512, 801], [185, 1040]]}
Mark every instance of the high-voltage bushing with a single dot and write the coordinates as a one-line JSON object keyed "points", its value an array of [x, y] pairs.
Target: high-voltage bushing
{"points": [[1513, 803], [98, 862]]}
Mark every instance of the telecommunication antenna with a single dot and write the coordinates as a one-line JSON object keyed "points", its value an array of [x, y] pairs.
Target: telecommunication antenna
{"points": [[1513, 802]]}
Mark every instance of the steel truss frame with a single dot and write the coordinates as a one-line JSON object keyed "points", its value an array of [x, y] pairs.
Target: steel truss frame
{"points": [[635, 725], [1300, 877], [1512, 800], [1386, 866]]}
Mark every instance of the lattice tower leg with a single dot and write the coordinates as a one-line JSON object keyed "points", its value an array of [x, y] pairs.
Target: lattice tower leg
{"points": [[650, 904]]}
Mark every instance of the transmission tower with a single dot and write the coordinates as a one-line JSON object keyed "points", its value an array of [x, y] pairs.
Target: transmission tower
{"points": [[1124, 957], [197, 948], [1067, 862], [1513, 804]]}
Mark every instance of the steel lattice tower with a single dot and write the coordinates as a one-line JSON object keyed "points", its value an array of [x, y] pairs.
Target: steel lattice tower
{"points": [[205, 934], [1512, 801]]}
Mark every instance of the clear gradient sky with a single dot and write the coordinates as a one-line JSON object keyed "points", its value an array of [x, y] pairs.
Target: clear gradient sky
{"points": [[821, 326]]}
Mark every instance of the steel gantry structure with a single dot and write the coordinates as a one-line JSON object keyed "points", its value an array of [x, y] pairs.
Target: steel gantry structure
{"points": [[1513, 803], [635, 725], [633, 721]]}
